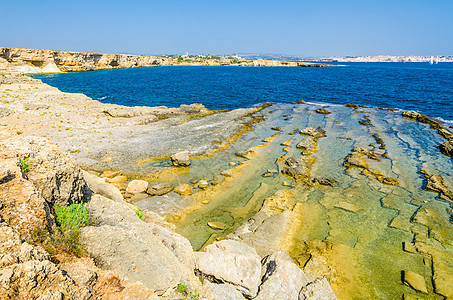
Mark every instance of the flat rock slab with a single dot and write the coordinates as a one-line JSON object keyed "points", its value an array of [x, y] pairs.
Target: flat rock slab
{"points": [[347, 206], [319, 289], [232, 262], [415, 281], [282, 278]]}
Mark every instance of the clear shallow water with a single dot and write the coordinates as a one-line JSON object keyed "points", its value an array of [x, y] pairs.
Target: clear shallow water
{"points": [[411, 86], [361, 252]]}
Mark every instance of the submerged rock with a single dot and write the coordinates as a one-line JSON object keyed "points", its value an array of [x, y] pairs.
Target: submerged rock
{"points": [[183, 189], [248, 153], [415, 281], [159, 189], [217, 225]]}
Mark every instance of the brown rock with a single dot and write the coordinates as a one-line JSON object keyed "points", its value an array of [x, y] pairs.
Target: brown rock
{"points": [[159, 189], [180, 159], [435, 183], [447, 148], [183, 189], [137, 186], [322, 111]]}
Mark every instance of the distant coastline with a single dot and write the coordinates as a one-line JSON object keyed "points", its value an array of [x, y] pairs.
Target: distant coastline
{"points": [[35, 61]]}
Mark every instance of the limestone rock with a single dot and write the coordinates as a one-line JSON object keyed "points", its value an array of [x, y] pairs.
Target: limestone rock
{"points": [[117, 179], [447, 148], [202, 184], [447, 134], [435, 183], [322, 111], [225, 292], [319, 289], [307, 145], [316, 133], [140, 251], [232, 262], [183, 189], [26, 272], [180, 159], [282, 278], [99, 186], [415, 281], [217, 225], [298, 167], [159, 189], [137, 186], [248, 153], [53, 173]]}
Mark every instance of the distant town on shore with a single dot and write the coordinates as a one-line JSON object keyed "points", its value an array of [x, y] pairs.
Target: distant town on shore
{"points": [[376, 58]]}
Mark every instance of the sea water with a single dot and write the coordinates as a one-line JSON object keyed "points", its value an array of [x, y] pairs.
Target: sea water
{"points": [[410, 86]]}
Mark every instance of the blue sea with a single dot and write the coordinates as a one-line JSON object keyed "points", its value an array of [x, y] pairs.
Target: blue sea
{"points": [[409, 86]]}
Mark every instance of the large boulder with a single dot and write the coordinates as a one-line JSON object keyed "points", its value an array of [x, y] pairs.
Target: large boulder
{"points": [[232, 262], [99, 186], [139, 251], [180, 159], [137, 186], [282, 278]]}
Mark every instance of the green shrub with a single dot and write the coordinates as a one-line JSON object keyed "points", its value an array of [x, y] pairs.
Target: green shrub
{"points": [[65, 238], [25, 165], [140, 214], [72, 217]]}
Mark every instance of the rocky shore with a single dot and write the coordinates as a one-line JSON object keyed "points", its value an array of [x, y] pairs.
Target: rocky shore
{"points": [[52, 61], [127, 254], [287, 201]]}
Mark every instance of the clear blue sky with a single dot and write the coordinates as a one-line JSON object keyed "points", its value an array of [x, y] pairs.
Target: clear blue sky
{"points": [[307, 28]]}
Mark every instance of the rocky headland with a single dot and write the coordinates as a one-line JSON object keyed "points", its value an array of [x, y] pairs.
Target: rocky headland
{"points": [[53, 61], [287, 201]]}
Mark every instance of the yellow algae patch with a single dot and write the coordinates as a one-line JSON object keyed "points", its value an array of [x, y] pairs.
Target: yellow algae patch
{"points": [[338, 263], [286, 143], [271, 138]]}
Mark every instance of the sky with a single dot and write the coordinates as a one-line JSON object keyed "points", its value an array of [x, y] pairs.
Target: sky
{"points": [[304, 27]]}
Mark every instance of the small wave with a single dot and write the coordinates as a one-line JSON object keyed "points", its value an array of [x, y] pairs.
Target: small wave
{"points": [[103, 98], [444, 121]]}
